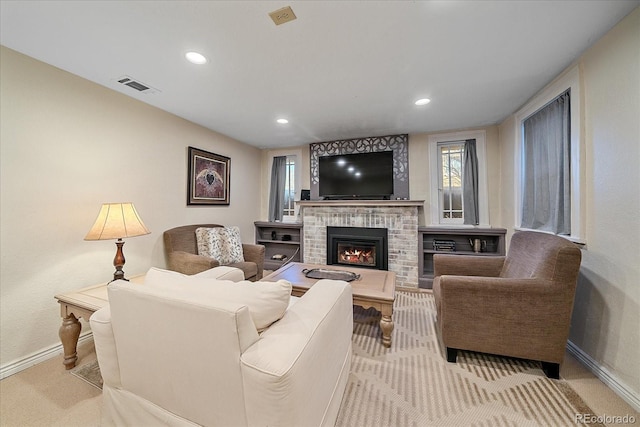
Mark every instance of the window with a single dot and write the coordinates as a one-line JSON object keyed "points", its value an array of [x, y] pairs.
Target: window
{"points": [[548, 161], [450, 155], [450, 189], [290, 189], [283, 184]]}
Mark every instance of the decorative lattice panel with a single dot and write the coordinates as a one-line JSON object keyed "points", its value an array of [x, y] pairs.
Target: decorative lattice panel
{"points": [[399, 144]]}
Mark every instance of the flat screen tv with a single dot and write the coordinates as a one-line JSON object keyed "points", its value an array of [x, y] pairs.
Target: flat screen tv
{"points": [[356, 176]]}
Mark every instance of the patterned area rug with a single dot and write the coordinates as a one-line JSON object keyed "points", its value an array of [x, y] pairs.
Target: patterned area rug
{"points": [[89, 372], [412, 384]]}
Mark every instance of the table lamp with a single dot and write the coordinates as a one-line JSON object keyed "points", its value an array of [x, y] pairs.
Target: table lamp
{"points": [[115, 221]]}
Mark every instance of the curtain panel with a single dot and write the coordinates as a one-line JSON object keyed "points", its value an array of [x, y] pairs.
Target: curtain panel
{"points": [[546, 203], [470, 184], [276, 193]]}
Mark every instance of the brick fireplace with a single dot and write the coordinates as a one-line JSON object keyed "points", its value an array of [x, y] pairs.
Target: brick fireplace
{"points": [[398, 217]]}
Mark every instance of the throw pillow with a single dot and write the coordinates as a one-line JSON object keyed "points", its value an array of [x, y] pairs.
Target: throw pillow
{"points": [[266, 301], [220, 243]]}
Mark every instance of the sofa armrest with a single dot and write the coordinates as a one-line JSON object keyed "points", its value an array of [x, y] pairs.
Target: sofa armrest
{"points": [[188, 263], [526, 318], [298, 367], [467, 265], [254, 253], [105, 344]]}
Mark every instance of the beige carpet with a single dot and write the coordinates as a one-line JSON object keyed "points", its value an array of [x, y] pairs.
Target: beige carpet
{"points": [[411, 383]]}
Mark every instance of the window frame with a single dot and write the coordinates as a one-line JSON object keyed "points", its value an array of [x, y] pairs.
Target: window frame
{"points": [[568, 80], [434, 186], [441, 192]]}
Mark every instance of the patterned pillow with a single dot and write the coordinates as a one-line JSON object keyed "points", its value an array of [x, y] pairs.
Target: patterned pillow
{"points": [[220, 243]]}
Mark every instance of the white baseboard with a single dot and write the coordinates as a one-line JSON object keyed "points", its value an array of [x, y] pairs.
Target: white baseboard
{"points": [[605, 376], [38, 357]]}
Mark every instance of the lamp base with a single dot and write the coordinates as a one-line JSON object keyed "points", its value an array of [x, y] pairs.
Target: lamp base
{"points": [[118, 262], [118, 275]]}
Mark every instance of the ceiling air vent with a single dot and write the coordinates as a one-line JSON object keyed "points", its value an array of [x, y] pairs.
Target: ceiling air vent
{"points": [[136, 84], [282, 15]]}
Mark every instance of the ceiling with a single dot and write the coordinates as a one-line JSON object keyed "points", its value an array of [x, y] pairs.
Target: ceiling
{"points": [[342, 69]]}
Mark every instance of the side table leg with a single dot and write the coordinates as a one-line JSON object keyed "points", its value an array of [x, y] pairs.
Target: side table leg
{"points": [[69, 333], [386, 325]]}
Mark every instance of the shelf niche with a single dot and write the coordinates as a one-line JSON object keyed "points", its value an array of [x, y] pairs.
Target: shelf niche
{"points": [[462, 241], [279, 238]]}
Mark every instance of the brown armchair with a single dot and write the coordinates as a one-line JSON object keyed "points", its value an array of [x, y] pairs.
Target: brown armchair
{"points": [[181, 250], [517, 306]]}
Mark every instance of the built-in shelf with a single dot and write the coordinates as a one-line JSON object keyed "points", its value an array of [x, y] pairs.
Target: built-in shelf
{"points": [[279, 238], [455, 241]]}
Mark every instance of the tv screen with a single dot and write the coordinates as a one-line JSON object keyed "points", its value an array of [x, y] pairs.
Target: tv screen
{"points": [[361, 175]]}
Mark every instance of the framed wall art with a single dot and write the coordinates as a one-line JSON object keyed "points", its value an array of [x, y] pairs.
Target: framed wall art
{"points": [[208, 182]]}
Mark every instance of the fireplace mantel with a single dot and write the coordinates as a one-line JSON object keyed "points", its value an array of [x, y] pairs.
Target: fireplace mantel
{"points": [[367, 203]]}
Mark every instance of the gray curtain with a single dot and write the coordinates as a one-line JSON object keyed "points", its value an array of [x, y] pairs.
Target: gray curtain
{"points": [[276, 195], [470, 184], [546, 203]]}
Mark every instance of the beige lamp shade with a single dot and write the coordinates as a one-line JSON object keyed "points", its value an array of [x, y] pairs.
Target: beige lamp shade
{"points": [[116, 221]]}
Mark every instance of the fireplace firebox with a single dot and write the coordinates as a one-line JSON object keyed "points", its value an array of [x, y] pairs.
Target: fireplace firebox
{"points": [[357, 247]]}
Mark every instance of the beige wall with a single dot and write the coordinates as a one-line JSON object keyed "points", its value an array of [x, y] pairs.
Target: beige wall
{"points": [[67, 146], [606, 317]]}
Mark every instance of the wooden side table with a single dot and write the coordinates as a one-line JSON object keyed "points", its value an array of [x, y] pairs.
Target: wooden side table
{"points": [[81, 304]]}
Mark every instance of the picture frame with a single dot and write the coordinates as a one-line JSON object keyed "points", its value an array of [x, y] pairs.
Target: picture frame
{"points": [[209, 178]]}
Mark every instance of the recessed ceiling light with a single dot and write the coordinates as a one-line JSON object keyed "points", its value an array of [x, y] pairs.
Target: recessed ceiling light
{"points": [[195, 58], [282, 121], [423, 101]]}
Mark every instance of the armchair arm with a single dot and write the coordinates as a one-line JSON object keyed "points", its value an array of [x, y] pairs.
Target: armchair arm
{"points": [[188, 263], [467, 265], [105, 344], [289, 376], [254, 253], [526, 318]]}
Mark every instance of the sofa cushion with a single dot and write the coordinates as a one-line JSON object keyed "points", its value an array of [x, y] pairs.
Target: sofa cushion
{"points": [[220, 273], [266, 301], [220, 243], [235, 274]]}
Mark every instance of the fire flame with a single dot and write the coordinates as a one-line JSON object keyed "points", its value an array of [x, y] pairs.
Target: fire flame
{"points": [[357, 256]]}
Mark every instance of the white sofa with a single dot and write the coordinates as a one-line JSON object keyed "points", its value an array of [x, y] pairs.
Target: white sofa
{"points": [[184, 352]]}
